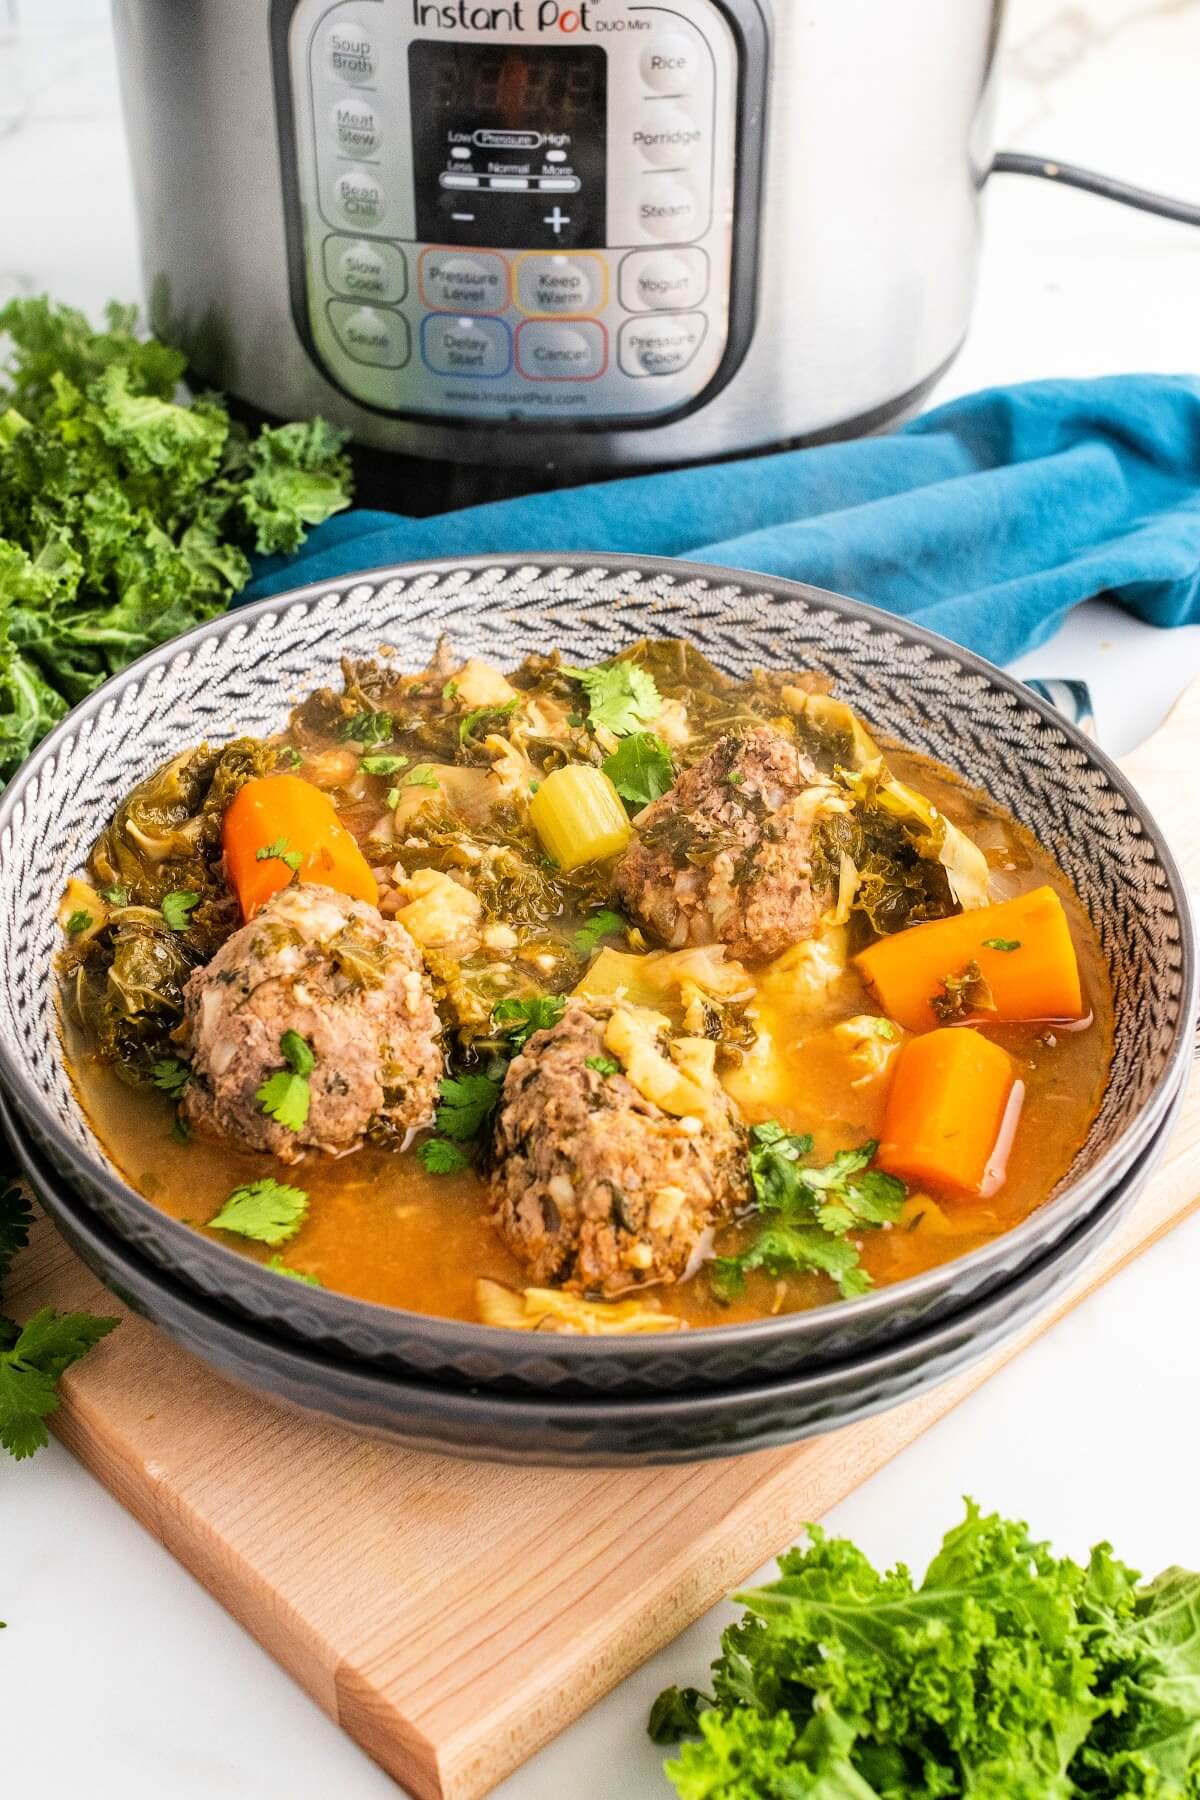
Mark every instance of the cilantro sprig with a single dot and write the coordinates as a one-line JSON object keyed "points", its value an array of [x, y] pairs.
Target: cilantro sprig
{"points": [[519, 1019], [286, 1096], [622, 697], [641, 768], [467, 1101], [177, 908], [267, 1211], [291, 859], [367, 728], [170, 1076], [601, 925]]}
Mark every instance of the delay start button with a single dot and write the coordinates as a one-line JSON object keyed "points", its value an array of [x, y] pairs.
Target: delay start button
{"points": [[451, 282], [561, 286], [662, 344], [551, 352], [475, 348]]}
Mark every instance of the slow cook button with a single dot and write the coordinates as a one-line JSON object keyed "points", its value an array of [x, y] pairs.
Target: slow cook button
{"points": [[356, 127], [454, 283], [663, 280], [669, 209], [364, 270], [547, 352], [370, 335], [352, 54], [472, 347], [668, 138], [660, 345], [670, 64], [359, 198], [558, 285]]}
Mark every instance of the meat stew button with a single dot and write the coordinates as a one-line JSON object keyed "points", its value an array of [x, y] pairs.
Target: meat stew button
{"points": [[371, 334], [549, 352], [662, 344]]}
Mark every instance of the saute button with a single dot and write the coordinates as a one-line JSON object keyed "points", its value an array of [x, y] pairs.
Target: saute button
{"points": [[549, 352], [661, 345], [356, 126], [352, 53], [359, 197], [454, 283], [658, 280], [364, 270], [670, 64], [471, 347], [557, 285], [667, 137], [370, 335], [669, 209]]}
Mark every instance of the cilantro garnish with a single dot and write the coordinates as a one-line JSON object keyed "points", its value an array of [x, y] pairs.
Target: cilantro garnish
{"points": [[170, 1076], [422, 776], [519, 1019], [603, 1065], [78, 921], [466, 728], [116, 896], [601, 925], [279, 849], [1006, 944], [277, 1266], [450, 690], [177, 906], [368, 728], [382, 765], [640, 768], [267, 1211], [441, 1157], [621, 696], [286, 1095], [29, 1370], [467, 1103]]}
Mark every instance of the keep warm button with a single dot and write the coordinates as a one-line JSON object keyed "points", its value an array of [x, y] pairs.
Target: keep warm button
{"points": [[661, 345], [549, 352]]}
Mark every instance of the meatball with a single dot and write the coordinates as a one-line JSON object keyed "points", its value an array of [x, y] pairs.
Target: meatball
{"points": [[595, 1187], [352, 985], [726, 856]]}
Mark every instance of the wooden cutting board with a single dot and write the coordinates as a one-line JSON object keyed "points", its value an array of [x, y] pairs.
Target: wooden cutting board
{"points": [[551, 1586]]}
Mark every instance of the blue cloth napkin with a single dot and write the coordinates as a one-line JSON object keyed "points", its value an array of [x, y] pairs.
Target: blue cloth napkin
{"points": [[987, 519]]}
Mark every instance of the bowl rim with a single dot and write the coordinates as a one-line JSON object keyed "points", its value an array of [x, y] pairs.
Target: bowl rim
{"points": [[457, 1335]]}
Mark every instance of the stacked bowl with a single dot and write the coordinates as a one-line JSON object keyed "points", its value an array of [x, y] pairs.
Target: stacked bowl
{"points": [[476, 1390]]}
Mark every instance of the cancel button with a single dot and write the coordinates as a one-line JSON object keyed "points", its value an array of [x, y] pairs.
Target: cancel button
{"points": [[661, 345]]}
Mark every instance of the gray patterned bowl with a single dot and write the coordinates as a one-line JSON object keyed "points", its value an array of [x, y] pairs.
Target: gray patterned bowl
{"points": [[241, 672], [570, 1429]]}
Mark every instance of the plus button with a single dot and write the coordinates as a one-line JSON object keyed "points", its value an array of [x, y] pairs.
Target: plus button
{"points": [[556, 220]]}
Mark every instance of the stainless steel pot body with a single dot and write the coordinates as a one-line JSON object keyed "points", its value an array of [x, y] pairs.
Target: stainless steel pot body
{"points": [[851, 212]]}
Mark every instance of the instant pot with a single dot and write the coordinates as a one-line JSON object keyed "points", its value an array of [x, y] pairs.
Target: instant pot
{"points": [[551, 237]]}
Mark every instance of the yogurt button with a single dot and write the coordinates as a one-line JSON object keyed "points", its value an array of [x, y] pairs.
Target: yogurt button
{"points": [[669, 209], [469, 347], [661, 345], [671, 63], [356, 126], [359, 198], [550, 352], [452, 282], [667, 137], [366, 271], [370, 334], [663, 280], [352, 53]]}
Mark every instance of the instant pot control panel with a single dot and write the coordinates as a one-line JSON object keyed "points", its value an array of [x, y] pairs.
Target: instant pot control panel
{"points": [[522, 212]]}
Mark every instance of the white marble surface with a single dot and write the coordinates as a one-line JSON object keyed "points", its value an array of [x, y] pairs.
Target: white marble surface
{"points": [[118, 1673]]}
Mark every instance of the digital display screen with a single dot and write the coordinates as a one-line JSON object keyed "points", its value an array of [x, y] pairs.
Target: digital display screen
{"points": [[509, 143]]}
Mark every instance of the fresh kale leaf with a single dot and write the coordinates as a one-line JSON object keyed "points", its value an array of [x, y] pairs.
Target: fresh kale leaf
{"points": [[621, 696], [267, 1211], [640, 768], [676, 1714]]}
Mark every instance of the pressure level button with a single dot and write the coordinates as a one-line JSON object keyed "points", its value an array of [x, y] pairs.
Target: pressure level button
{"points": [[454, 282], [670, 64], [352, 53]]}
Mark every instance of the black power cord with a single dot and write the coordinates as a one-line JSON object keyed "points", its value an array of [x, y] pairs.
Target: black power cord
{"points": [[1016, 162]]}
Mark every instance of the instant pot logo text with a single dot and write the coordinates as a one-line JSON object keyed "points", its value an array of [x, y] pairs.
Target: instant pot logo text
{"points": [[518, 15]]}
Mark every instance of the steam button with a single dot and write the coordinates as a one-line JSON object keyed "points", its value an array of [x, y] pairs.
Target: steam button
{"points": [[370, 334], [670, 64], [356, 126], [359, 198], [366, 271], [662, 344], [669, 209], [352, 53]]}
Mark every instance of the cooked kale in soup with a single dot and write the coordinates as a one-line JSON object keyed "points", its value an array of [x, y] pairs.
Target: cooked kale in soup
{"points": [[612, 999]]}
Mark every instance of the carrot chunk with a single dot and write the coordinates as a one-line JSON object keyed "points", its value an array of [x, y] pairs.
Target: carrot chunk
{"points": [[947, 1121], [279, 827], [1022, 949]]}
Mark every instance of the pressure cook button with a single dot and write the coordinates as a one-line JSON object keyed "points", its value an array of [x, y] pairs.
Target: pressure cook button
{"points": [[352, 53], [470, 347], [356, 126], [662, 280], [561, 285], [669, 209], [671, 63], [667, 137], [359, 197], [366, 271], [661, 345], [451, 282], [370, 335], [549, 352]]}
